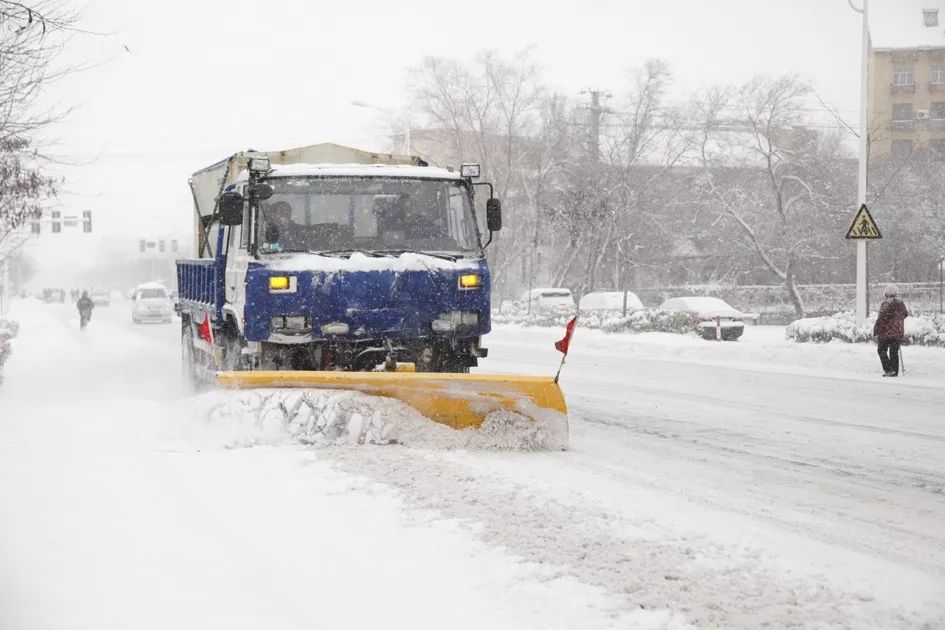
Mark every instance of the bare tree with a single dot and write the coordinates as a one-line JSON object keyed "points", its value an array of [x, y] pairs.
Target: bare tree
{"points": [[610, 206], [769, 175], [31, 37], [491, 110]]}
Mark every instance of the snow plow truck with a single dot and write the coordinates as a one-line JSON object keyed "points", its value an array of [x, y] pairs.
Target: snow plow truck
{"points": [[335, 268]]}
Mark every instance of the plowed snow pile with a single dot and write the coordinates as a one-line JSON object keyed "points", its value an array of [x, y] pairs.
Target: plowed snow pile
{"points": [[326, 417]]}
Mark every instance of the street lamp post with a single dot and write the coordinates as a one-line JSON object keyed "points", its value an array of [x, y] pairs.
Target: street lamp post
{"points": [[405, 149], [862, 293], [941, 271]]}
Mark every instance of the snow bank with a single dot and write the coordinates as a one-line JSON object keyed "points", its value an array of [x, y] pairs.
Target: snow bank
{"points": [[361, 262], [8, 330], [927, 330], [335, 417]]}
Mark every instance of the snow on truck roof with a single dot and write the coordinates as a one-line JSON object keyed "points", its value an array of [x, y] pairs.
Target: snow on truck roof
{"points": [[359, 170]]}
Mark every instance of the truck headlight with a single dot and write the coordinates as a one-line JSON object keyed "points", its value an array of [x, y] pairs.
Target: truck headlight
{"points": [[469, 169], [470, 281], [283, 284], [259, 163]]}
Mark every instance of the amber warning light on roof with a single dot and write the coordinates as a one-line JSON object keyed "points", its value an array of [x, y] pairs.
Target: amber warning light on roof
{"points": [[863, 226]]}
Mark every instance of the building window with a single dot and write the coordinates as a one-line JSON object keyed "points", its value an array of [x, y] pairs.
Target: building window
{"points": [[900, 149], [902, 111], [930, 17], [937, 111], [937, 75], [937, 147], [903, 75]]}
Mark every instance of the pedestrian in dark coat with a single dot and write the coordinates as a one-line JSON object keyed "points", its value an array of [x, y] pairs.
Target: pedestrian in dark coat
{"points": [[889, 330]]}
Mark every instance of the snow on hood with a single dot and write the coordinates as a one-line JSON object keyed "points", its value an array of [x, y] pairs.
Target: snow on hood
{"points": [[409, 261]]}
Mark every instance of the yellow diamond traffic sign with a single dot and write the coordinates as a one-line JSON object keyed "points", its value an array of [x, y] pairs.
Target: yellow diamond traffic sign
{"points": [[863, 226]]}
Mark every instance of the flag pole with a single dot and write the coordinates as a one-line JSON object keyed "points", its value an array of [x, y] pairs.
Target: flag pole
{"points": [[564, 345], [560, 365]]}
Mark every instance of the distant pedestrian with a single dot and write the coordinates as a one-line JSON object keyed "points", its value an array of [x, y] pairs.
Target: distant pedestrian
{"points": [[85, 306], [889, 330]]}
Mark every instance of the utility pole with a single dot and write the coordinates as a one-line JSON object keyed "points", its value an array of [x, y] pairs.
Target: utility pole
{"points": [[862, 289], [596, 111]]}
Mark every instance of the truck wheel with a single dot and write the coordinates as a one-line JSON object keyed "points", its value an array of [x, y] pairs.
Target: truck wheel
{"points": [[232, 351], [188, 361]]}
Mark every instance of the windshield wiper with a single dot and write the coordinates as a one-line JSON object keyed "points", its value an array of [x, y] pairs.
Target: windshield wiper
{"points": [[444, 255], [344, 252]]}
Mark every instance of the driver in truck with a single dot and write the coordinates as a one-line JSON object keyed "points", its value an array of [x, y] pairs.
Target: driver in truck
{"points": [[280, 231]]}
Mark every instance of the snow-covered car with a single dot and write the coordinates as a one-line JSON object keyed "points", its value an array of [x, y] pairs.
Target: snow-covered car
{"points": [[101, 298], [548, 298], [151, 302], [610, 301], [54, 295], [705, 311]]}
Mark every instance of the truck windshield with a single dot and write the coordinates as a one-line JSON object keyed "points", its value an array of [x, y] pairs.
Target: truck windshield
{"points": [[372, 214]]}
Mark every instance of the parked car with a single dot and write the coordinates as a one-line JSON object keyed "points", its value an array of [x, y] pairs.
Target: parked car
{"points": [[704, 311], [548, 298], [151, 302], [54, 295], [101, 298], [610, 301]]}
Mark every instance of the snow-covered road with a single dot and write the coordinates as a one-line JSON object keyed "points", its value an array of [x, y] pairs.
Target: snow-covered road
{"points": [[718, 485]]}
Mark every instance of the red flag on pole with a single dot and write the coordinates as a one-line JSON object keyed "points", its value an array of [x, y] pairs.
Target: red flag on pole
{"points": [[562, 346], [204, 329]]}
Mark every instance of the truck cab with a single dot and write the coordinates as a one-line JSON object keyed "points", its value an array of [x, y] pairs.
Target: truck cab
{"points": [[325, 266]]}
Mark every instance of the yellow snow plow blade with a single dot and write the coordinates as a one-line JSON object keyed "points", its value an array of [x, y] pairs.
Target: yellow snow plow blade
{"points": [[456, 400]]}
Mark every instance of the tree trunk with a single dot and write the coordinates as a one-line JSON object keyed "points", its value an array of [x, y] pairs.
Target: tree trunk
{"points": [[793, 292]]}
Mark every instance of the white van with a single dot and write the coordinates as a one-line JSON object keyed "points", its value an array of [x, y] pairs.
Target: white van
{"points": [[548, 298], [151, 302]]}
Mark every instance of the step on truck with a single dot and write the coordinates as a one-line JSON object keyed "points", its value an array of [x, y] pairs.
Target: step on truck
{"points": [[327, 266]]}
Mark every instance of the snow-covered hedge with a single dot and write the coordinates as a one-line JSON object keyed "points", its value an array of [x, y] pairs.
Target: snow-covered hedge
{"points": [[8, 330], [649, 320], [923, 330], [517, 314]]}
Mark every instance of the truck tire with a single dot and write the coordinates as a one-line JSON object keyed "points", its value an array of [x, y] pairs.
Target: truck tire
{"points": [[232, 351], [188, 360]]}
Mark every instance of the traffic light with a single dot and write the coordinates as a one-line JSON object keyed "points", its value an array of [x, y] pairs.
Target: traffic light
{"points": [[56, 222], [86, 221], [142, 244]]}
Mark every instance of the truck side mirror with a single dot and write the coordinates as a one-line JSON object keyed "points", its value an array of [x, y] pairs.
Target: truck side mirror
{"points": [[494, 214], [231, 208], [261, 192]]}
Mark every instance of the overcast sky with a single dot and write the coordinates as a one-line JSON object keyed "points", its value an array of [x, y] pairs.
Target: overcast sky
{"points": [[201, 79]]}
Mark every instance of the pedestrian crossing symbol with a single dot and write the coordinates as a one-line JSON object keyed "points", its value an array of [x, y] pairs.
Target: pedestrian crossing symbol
{"points": [[863, 226]]}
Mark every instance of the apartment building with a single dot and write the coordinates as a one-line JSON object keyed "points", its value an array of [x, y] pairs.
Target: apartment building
{"points": [[907, 79]]}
